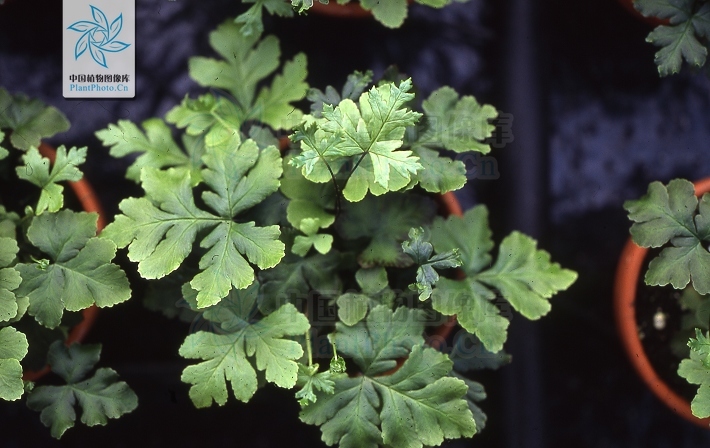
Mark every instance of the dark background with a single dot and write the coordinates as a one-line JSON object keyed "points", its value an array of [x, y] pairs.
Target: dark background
{"points": [[593, 125]]}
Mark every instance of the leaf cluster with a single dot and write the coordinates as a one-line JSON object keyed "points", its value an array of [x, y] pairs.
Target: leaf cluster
{"points": [[52, 265], [330, 248]]}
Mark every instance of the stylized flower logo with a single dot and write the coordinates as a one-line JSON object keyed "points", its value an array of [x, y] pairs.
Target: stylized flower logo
{"points": [[98, 36]]}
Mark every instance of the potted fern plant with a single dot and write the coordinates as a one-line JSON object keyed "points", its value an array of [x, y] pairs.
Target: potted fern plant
{"points": [[52, 266], [669, 220], [319, 268]]}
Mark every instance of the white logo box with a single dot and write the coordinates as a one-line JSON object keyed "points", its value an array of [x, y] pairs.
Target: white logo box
{"points": [[99, 49]]}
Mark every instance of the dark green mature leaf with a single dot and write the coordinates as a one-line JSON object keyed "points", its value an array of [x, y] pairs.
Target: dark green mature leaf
{"points": [[672, 214], [243, 345], [36, 170], [353, 88], [80, 273], [475, 394], [385, 336], [386, 221], [156, 147], [685, 37], [13, 348], [523, 275], [417, 405], [9, 279], [160, 229], [421, 252], [30, 120], [468, 353], [298, 278], [101, 397]]}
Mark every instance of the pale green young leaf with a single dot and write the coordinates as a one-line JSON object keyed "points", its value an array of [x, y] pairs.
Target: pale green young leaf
{"points": [[525, 276], [390, 13], [311, 380], [100, 397], [247, 61], [385, 221], [9, 279], [421, 252], [8, 223], [29, 119], [321, 157], [273, 105], [369, 134], [80, 273], [36, 169], [156, 147], [218, 120], [418, 405], [3, 151], [352, 307], [320, 242], [247, 344], [457, 124], [300, 210], [13, 348], [672, 214], [302, 191], [438, 174]]}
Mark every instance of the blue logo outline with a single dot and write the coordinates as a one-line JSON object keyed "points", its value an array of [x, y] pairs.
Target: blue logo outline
{"points": [[98, 36]]}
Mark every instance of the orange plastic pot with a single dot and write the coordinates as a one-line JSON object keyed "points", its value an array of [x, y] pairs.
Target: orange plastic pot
{"points": [[90, 203], [630, 268]]}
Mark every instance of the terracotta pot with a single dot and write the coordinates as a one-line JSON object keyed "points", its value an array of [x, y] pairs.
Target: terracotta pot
{"points": [[351, 10], [629, 6], [90, 203], [631, 266]]}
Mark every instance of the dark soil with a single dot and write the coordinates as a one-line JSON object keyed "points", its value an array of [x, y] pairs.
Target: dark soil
{"points": [[656, 342]]}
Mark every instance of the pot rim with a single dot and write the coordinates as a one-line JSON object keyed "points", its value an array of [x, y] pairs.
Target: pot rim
{"points": [[631, 262]]}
